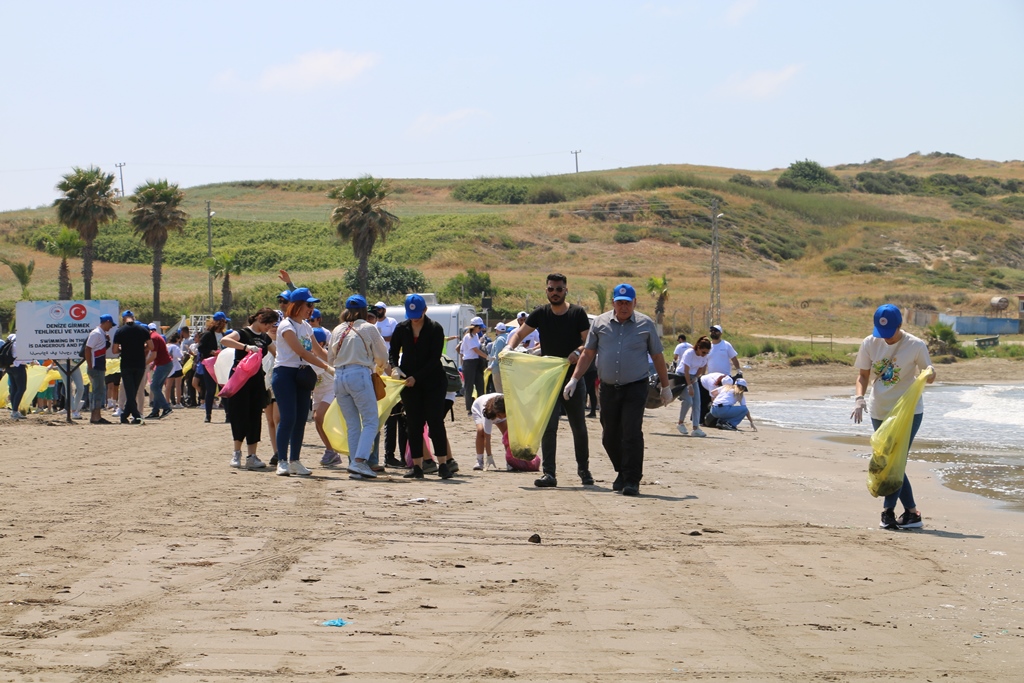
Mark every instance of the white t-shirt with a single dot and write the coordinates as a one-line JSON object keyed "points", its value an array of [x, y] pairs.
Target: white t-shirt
{"points": [[692, 361], [286, 357], [719, 357], [713, 381], [470, 342], [730, 398], [893, 369], [175, 352], [681, 349], [386, 327], [478, 412], [97, 341]]}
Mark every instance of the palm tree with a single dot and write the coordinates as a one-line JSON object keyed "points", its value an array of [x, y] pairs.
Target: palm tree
{"points": [[156, 213], [602, 296], [224, 264], [658, 286], [88, 203], [360, 218], [22, 271], [67, 244]]}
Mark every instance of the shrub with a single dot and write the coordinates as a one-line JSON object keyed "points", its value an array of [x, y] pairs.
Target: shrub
{"points": [[491, 191], [386, 279], [574, 238], [546, 195], [836, 265], [742, 179], [809, 176], [466, 285]]}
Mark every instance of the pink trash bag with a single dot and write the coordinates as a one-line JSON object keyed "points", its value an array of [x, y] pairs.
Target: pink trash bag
{"points": [[515, 463], [208, 366], [427, 453], [244, 371]]}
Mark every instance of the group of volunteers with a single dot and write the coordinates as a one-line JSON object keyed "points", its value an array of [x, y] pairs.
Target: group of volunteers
{"points": [[287, 369]]}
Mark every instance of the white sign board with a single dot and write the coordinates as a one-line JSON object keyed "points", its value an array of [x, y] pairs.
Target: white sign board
{"points": [[197, 324], [56, 330]]}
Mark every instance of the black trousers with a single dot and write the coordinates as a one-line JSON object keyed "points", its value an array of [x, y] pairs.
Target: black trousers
{"points": [[705, 402], [394, 428], [425, 406], [622, 417], [473, 377], [576, 412], [132, 378], [246, 413]]}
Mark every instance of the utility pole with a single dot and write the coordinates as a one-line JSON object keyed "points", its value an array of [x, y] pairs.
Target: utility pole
{"points": [[576, 153], [209, 245], [120, 167], [716, 283]]}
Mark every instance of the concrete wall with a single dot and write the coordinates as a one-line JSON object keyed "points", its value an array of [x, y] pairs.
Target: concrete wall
{"points": [[985, 327]]}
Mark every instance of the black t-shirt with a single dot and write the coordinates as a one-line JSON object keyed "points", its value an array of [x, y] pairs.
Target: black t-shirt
{"points": [[132, 338], [256, 383], [559, 334]]}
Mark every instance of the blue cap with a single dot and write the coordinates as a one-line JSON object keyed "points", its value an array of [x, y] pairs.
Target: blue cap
{"points": [[127, 314], [887, 320], [286, 295], [415, 306], [624, 292], [303, 294], [315, 315], [221, 317], [107, 318], [356, 301], [320, 334]]}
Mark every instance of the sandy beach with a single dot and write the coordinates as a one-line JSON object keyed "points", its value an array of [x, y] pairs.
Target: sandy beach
{"points": [[137, 554]]}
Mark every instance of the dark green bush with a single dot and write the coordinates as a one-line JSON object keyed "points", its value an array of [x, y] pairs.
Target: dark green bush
{"points": [[809, 176], [546, 195], [386, 279], [491, 191]]}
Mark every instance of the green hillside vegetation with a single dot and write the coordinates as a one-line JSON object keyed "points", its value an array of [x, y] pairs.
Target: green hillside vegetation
{"points": [[933, 231]]}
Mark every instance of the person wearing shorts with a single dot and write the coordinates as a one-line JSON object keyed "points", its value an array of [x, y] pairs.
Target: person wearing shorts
{"points": [[487, 411], [323, 397], [96, 362]]}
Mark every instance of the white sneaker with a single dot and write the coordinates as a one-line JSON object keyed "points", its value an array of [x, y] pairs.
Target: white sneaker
{"points": [[682, 429], [362, 469], [697, 432], [15, 415], [296, 467], [254, 463], [76, 415], [236, 460], [282, 469], [117, 412], [479, 464]]}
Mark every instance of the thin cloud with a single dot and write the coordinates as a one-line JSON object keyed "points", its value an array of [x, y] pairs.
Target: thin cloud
{"points": [[316, 70], [760, 84], [427, 123], [738, 11]]}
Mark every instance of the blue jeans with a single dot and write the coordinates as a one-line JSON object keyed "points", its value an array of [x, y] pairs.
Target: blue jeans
{"points": [[690, 403], [353, 390], [17, 377], [157, 400], [293, 404], [731, 414], [98, 387], [906, 494]]}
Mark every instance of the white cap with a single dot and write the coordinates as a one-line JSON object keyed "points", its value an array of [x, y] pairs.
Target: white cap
{"points": [[717, 327], [500, 327], [521, 314], [742, 383], [153, 327], [477, 321], [11, 337], [380, 304]]}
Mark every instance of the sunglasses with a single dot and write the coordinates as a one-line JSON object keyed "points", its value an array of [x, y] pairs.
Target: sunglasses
{"points": [[556, 289]]}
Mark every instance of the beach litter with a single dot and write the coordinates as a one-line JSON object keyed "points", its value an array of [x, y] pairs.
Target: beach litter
{"points": [[335, 622]]}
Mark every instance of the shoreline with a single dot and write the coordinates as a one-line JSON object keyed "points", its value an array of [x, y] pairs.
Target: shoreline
{"points": [[755, 556]]}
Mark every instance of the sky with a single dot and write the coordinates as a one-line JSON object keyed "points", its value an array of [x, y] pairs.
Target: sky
{"points": [[214, 91]]}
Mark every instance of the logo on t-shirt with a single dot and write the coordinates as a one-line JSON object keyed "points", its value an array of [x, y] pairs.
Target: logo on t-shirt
{"points": [[887, 372]]}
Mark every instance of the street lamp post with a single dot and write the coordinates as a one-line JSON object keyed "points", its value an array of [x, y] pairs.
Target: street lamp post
{"points": [[716, 283], [209, 245]]}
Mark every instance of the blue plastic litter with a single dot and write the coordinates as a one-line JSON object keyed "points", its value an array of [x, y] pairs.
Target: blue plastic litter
{"points": [[335, 622]]}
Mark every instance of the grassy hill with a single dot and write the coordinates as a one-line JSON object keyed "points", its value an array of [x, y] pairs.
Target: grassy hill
{"points": [[792, 262]]}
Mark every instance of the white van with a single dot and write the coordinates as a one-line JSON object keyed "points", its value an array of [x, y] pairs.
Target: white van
{"points": [[454, 318]]}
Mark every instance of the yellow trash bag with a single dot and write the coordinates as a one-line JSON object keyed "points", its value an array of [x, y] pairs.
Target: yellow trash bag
{"points": [[531, 385], [35, 376], [334, 421], [891, 441], [113, 366]]}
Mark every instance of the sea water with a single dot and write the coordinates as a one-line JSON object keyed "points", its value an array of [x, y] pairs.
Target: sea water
{"points": [[974, 435]]}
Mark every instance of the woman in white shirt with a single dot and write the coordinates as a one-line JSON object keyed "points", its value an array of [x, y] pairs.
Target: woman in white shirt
{"points": [[356, 350], [474, 362], [294, 378], [730, 405], [172, 388], [691, 367]]}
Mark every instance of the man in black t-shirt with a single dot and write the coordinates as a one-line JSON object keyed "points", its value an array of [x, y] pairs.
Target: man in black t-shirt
{"points": [[563, 329], [133, 343]]}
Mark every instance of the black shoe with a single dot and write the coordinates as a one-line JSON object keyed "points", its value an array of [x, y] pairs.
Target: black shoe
{"points": [[910, 520], [207, 420], [273, 461], [165, 412], [591, 414], [101, 421], [586, 477], [631, 490], [415, 473], [125, 420], [153, 416], [429, 467], [453, 466], [443, 471], [889, 520], [618, 483], [547, 481], [392, 461]]}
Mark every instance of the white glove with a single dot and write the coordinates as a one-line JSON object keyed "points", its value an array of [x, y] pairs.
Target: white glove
{"points": [[666, 395], [931, 371], [252, 349], [858, 413], [570, 387]]}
